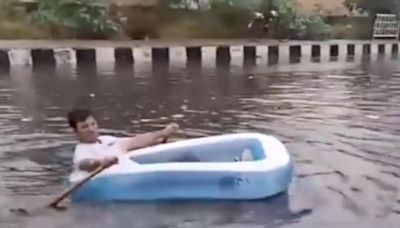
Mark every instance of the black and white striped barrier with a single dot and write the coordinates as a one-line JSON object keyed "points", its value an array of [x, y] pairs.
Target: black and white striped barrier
{"points": [[262, 53]]}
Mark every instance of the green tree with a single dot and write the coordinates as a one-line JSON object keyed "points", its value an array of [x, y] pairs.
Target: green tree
{"points": [[289, 23], [230, 13], [83, 17]]}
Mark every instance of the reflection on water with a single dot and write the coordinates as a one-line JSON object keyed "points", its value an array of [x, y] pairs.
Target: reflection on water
{"points": [[341, 127]]}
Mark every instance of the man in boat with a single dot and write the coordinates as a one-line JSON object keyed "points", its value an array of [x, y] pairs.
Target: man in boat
{"points": [[94, 150]]}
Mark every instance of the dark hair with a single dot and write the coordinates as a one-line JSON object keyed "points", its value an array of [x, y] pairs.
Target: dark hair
{"points": [[78, 115]]}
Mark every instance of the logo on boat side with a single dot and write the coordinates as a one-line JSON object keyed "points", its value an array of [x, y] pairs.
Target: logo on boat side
{"points": [[232, 182]]}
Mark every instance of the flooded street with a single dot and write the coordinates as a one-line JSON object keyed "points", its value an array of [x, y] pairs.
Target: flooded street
{"points": [[340, 125]]}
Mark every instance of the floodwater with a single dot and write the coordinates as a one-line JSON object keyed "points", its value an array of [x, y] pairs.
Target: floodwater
{"points": [[340, 122]]}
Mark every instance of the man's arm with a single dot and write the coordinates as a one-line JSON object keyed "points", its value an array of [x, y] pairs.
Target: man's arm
{"points": [[148, 139], [90, 164]]}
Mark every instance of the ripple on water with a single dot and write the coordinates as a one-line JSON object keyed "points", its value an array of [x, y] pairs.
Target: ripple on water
{"points": [[341, 128]]}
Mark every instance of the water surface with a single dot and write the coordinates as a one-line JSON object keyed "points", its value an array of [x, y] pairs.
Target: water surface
{"points": [[341, 125]]}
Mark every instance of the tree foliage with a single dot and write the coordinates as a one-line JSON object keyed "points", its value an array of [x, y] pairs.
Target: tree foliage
{"points": [[289, 23], [81, 16], [218, 18]]}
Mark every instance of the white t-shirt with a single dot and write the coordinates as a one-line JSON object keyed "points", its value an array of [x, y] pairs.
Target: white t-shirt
{"points": [[106, 146]]}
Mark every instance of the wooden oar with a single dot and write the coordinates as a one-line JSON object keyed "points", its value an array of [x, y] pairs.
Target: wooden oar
{"points": [[55, 203]]}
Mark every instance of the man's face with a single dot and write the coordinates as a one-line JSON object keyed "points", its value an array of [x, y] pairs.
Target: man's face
{"points": [[87, 131]]}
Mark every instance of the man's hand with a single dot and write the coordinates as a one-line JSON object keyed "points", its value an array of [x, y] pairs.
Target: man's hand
{"points": [[109, 161], [171, 129], [150, 138]]}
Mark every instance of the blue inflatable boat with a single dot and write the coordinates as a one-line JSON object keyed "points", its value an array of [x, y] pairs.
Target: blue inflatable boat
{"points": [[244, 166]]}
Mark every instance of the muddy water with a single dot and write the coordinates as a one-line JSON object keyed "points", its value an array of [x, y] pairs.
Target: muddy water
{"points": [[340, 125]]}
